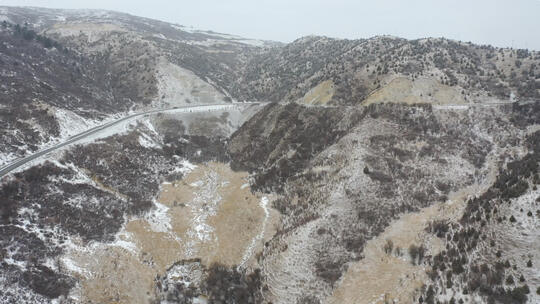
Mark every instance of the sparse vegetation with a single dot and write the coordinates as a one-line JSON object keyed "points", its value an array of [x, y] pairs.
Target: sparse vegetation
{"points": [[226, 285], [340, 175], [388, 247], [487, 279], [416, 253], [439, 228], [31, 35]]}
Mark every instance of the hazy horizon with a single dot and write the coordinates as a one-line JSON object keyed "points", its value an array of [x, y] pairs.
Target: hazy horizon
{"points": [[500, 23]]}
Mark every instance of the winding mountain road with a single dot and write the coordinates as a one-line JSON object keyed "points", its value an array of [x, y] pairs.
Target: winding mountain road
{"points": [[185, 109]]}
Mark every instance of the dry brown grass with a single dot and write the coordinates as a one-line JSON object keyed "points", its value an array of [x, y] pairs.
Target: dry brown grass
{"points": [[422, 90], [114, 274], [381, 277], [320, 95]]}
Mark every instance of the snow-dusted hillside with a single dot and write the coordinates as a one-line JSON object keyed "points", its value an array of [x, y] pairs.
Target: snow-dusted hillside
{"points": [[386, 171], [70, 70]]}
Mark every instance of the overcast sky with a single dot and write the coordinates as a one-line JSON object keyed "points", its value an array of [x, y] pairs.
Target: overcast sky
{"points": [[507, 23]]}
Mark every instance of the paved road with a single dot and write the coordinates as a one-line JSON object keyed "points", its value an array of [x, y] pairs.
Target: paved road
{"points": [[466, 106], [185, 109]]}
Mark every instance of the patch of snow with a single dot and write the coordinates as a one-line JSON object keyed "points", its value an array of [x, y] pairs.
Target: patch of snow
{"points": [[203, 230], [7, 158], [71, 123], [71, 266], [178, 86], [4, 15], [51, 264], [11, 261], [204, 205], [251, 248], [187, 274], [80, 176], [185, 167], [147, 142], [190, 30], [150, 126], [199, 300], [123, 243], [197, 184], [160, 36], [159, 219]]}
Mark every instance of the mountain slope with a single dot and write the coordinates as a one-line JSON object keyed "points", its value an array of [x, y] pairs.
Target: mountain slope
{"points": [[340, 190], [84, 67], [385, 170], [356, 68]]}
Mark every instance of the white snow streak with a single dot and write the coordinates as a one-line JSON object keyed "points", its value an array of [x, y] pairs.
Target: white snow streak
{"points": [[159, 219], [251, 248]]}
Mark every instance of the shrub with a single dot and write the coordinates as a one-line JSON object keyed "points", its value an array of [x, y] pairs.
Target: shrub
{"points": [[457, 268], [439, 228], [413, 252], [8, 210], [388, 247], [416, 252], [228, 285]]}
